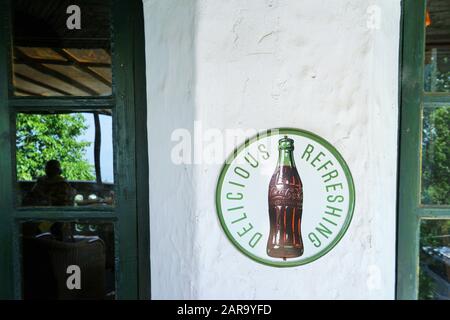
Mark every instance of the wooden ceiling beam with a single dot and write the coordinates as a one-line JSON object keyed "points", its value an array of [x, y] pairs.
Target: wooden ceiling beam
{"points": [[41, 84], [56, 74], [82, 67], [66, 63], [26, 92]]}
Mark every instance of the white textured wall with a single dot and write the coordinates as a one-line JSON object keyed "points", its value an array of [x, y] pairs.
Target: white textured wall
{"points": [[170, 55], [310, 64]]}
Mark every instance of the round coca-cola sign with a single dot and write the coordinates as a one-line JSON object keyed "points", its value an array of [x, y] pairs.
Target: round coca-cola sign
{"points": [[285, 197]]}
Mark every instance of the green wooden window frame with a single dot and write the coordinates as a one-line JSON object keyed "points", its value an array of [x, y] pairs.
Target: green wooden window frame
{"points": [[413, 100], [128, 102]]}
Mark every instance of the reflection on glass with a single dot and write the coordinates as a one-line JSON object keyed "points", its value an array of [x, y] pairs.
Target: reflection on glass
{"points": [[436, 156], [434, 275], [437, 52], [49, 59], [65, 159], [49, 248]]}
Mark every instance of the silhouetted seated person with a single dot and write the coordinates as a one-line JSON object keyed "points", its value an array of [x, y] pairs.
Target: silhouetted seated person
{"points": [[51, 189]]}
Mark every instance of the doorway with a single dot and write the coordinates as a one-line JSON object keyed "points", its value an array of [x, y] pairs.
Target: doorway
{"points": [[74, 178]]}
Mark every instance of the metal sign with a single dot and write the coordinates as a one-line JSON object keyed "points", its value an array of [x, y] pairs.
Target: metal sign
{"points": [[285, 197]]}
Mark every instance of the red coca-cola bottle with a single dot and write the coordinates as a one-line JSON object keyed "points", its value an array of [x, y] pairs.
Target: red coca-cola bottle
{"points": [[285, 205]]}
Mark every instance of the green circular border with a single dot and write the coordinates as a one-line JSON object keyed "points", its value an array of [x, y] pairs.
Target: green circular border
{"points": [[317, 139]]}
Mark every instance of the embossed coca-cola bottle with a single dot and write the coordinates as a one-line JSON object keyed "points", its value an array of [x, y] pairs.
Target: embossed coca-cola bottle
{"points": [[285, 205]]}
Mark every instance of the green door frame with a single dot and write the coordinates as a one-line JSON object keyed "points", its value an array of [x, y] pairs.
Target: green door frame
{"points": [[131, 213], [413, 100]]}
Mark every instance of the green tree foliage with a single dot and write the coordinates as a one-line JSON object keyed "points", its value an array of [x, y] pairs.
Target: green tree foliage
{"points": [[436, 156], [41, 138]]}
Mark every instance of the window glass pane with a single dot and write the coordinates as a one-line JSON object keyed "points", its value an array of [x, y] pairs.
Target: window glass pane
{"points": [[434, 275], [436, 156], [53, 57], [65, 159], [437, 51], [50, 250]]}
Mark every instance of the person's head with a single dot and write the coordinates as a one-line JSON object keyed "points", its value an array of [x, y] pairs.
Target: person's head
{"points": [[53, 168]]}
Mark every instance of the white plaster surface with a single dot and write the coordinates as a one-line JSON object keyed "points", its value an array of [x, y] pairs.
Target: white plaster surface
{"points": [[330, 67]]}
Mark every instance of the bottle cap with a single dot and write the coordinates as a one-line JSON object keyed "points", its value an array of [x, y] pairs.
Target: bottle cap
{"points": [[286, 144]]}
